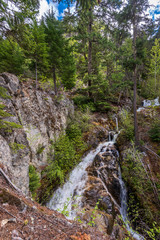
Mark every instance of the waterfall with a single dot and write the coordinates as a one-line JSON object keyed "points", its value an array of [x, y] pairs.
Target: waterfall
{"points": [[149, 103], [66, 195], [71, 192], [123, 209], [117, 124]]}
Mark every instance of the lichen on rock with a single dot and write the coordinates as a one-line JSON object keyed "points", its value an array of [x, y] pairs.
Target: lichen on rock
{"points": [[42, 118]]}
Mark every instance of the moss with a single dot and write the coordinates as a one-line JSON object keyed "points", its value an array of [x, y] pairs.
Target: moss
{"points": [[16, 147], [40, 149]]}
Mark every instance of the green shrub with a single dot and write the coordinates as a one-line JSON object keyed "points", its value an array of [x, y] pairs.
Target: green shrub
{"points": [[127, 124], [80, 99], [102, 106], [132, 169], [61, 159], [84, 103], [154, 132], [40, 149], [34, 180], [74, 133], [3, 93], [140, 187]]}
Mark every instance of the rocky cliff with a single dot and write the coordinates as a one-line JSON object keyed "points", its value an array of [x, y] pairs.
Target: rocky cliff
{"points": [[42, 116]]}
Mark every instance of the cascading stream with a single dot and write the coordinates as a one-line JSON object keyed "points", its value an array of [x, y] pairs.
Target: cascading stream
{"points": [[123, 209], [66, 194], [72, 191]]}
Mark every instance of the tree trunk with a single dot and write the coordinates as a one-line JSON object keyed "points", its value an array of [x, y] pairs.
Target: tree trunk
{"points": [[135, 107], [135, 78], [54, 80], [90, 52], [155, 76], [36, 73]]}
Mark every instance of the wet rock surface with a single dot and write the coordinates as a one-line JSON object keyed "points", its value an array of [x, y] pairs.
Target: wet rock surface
{"points": [[101, 198]]}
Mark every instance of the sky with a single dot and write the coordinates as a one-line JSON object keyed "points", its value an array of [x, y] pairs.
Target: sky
{"points": [[45, 5], [58, 9]]}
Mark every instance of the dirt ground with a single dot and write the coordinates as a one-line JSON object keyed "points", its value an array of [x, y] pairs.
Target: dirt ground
{"points": [[23, 219]]}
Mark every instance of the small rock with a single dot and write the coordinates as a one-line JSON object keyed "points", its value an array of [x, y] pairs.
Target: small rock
{"points": [[15, 233], [4, 222], [17, 238], [5, 204], [12, 220], [32, 220]]}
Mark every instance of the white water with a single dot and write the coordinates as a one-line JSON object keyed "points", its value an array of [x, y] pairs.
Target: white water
{"points": [[123, 209], [117, 124], [75, 185], [149, 103]]}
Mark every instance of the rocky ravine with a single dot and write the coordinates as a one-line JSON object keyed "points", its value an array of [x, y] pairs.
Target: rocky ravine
{"points": [[43, 117]]}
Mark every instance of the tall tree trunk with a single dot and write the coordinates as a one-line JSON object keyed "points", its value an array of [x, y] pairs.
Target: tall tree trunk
{"points": [[90, 52], [135, 77], [54, 80], [135, 107], [36, 74], [155, 76]]}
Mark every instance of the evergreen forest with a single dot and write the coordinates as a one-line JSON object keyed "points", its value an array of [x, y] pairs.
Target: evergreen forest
{"points": [[105, 58]]}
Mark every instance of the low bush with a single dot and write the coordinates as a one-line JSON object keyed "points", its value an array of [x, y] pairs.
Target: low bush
{"points": [[127, 124], [83, 102], [102, 106], [34, 180], [154, 132]]}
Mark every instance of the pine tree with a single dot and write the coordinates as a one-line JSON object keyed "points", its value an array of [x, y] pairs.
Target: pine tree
{"points": [[61, 60], [135, 15], [36, 48], [155, 60], [14, 13], [12, 57]]}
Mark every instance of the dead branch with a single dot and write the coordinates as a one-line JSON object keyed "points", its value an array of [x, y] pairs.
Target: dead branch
{"points": [[9, 181]]}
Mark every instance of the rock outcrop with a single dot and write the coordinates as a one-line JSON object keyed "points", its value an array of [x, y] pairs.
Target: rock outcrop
{"points": [[42, 115]]}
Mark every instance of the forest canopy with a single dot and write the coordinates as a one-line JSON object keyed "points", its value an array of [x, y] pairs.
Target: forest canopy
{"points": [[101, 48]]}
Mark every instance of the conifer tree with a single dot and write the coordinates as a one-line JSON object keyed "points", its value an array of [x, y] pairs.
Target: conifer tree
{"points": [[61, 60], [155, 60], [12, 57], [135, 16], [35, 47], [15, 13]]}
